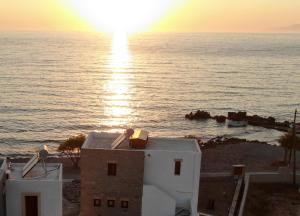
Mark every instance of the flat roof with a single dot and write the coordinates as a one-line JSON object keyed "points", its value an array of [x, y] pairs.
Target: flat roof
{"points": [[104, 140], [100, 140], [172, 144], [37, 173]]}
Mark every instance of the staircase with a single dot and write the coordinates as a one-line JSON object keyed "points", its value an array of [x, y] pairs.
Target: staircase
{"points": [[182, 212]]}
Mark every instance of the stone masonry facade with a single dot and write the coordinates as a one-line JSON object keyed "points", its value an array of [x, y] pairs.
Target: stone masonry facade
{"points": [[98, 188]]}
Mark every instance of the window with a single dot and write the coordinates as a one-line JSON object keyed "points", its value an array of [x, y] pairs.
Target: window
{"points": [[124, 204], [177, 167], [110, 203], [97, 202], [111, 169]]}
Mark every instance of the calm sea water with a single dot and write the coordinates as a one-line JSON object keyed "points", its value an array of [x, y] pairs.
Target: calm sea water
{"points": [[56, 84]]}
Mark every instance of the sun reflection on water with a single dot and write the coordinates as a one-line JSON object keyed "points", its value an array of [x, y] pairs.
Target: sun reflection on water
{"points": [[120, 57], [117, 99]]}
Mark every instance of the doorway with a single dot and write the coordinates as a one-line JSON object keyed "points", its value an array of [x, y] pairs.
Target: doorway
{"points": [[31, 205]]}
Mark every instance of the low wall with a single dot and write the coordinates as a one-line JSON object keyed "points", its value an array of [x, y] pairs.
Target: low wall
{"points": [[237, 197], [215, 174], [265, 177]]}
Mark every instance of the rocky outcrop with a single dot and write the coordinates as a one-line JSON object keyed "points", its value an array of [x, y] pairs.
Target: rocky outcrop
{"points": [[221, 140], [237, 116], [198, 115], [254, 120], [204, 115], [269, 122], [220, 118]]}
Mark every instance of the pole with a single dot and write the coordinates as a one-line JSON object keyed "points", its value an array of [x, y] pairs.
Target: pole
{"points": [[294, 148]]}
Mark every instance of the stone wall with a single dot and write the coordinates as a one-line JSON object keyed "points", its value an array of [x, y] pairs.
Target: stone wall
{"points": [[126, 185]]}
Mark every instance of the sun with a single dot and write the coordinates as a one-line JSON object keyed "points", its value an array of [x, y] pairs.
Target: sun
{"points": [[121, 15]]}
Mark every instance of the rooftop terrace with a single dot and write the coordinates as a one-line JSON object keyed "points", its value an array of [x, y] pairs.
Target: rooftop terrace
{"points": [[102, 140], [37, 173]]}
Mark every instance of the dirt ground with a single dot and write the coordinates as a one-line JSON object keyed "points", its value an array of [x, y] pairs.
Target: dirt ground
{"points": [[257, 157], [272, 200]]}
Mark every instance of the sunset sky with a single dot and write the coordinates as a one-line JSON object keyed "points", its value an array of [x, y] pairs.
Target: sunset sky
{"points": [[154, 15]]}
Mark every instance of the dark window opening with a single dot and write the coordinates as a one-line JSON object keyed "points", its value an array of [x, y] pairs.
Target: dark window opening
{"points": [[31, 206], [110, 203], [97, 202], [124, 204], [177, 167], [111, 169]]}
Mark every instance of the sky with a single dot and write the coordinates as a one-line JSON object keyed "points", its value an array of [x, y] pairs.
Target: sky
{"points": [[150, 15]]}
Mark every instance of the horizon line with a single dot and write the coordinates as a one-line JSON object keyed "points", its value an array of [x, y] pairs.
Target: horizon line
{"points": [[149, 32]]}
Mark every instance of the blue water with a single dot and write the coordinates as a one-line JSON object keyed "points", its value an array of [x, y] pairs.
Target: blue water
{"points": [[53, 85]]}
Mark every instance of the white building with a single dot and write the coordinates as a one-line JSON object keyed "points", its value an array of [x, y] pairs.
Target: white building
{"points": [[180, 186], [152, 176], [38, 193], [2, 184]]}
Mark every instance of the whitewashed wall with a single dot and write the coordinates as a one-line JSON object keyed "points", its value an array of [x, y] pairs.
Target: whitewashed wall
{"points": [[156, 202], [159, 171], [50, 196], [2, 180]]}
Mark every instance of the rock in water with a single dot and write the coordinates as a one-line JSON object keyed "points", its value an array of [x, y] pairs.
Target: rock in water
{"points": [[199, 115]]}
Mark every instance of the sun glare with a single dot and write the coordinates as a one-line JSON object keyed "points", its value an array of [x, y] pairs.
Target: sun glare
{"points": [[120, 56], [121, 15]]}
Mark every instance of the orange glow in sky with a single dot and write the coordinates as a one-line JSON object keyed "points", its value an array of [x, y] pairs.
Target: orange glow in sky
{"points": [[151, 15]]}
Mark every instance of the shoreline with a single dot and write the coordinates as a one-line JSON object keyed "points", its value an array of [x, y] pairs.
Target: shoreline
{"points": [[218, 155], [204, 142]]}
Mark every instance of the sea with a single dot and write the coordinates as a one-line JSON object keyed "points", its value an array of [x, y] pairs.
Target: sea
{"points": [[57, 84]]}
